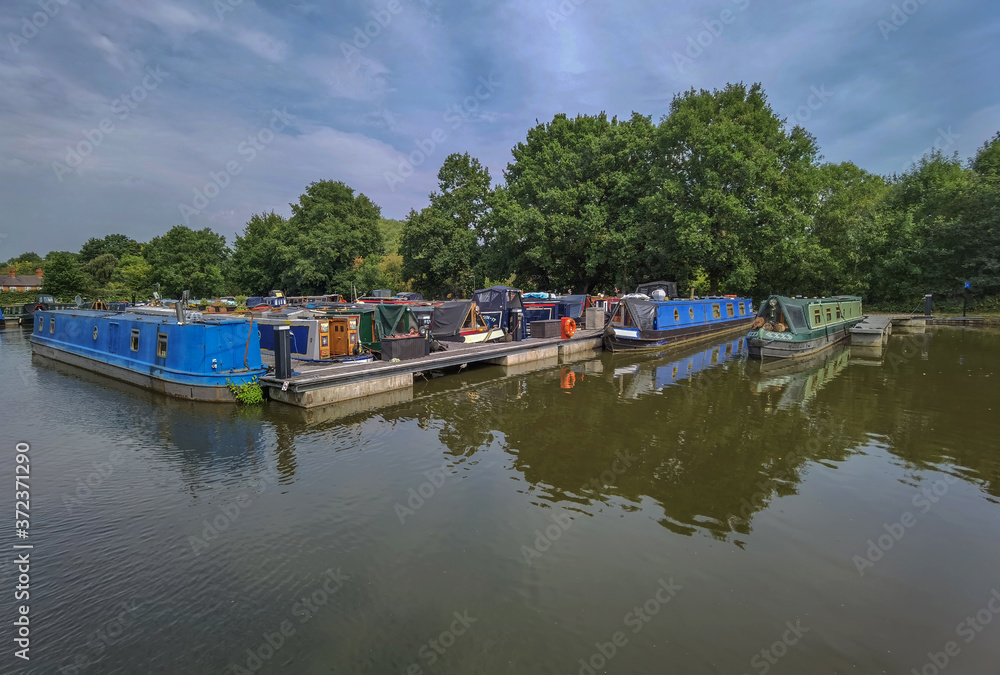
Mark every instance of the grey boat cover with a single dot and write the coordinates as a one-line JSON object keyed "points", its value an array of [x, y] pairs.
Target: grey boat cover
{"points": [[643, 312], [449, 317], [497, 299]]}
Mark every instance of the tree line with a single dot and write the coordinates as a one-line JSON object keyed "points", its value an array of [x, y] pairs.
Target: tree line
{"points": [[721, 195]]}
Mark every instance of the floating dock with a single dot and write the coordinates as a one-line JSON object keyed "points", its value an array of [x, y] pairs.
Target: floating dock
{"points": [[316, 384], [874, 329]]}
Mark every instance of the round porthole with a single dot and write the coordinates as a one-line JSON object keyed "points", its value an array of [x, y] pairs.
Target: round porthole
{"points": [[95, 332]]}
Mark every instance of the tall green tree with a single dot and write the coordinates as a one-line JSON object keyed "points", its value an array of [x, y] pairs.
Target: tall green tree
{"points": [[100, 270], [570, 213], [134, 274], [440, 245], [735, 189], [256, 266], [186, 259], [117, 245], [329, 230], [63, 277]]}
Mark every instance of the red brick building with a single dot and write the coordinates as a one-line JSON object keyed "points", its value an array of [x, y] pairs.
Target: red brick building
{"points": [[12, 281]]}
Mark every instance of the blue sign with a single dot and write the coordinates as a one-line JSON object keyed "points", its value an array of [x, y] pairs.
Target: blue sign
{"points": [[968, 284]]}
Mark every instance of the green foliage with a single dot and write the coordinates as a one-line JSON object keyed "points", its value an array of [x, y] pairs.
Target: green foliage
{"points": [[134, 274], [571, 212], [735, 189], [248, 393], [439, 245], [392, 231], [63, 277], [100, 270], [117, 245], [255, 266], [186, 259]]}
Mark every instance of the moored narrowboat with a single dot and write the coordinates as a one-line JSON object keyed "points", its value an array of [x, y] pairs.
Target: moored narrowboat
{"points": [[460, 321], [180, 354], [638, 322], [795, 327]]}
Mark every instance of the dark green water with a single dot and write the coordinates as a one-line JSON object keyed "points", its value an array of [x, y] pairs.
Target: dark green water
{"points": [[650, 519]]}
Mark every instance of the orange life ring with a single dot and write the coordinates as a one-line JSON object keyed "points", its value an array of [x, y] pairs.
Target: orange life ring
{"points": [[568, 327]]}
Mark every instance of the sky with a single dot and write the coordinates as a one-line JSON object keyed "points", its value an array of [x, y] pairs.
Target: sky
{"points": [[134, 116]]}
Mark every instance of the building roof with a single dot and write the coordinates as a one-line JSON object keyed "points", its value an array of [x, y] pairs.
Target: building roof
{"points": [[21, 280]]}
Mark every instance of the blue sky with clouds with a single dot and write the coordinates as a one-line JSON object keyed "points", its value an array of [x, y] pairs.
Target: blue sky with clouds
{"points": [[128, 116]]}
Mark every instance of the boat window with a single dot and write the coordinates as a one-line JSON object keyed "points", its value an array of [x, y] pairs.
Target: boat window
{"points": [[135, 339], [817, 316], [716, 312], [829, 315], [677, 315], [52, 325], [796, 317], [161, 345], [840, 315], [41, 324], [743, 309], [729, 310], [95, 332]]}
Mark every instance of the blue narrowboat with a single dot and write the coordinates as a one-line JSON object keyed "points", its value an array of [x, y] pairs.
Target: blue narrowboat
{"points": [[177, 353], [638, 322]]}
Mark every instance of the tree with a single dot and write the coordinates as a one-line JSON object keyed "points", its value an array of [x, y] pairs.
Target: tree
{"points": [[329, 229], [100, 269], [735, 189], [571, 211], [117, 245], [255, 267], [135, 274], [439, 245], [186, 259], [63, 277]]}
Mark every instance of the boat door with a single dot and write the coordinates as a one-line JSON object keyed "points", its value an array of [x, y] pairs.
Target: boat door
{"points": [[324, 339], [113, 338], [340, 344]]}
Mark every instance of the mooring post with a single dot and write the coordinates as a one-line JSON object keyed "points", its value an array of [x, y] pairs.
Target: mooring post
{"points": [[282, 353], [928, 304]]}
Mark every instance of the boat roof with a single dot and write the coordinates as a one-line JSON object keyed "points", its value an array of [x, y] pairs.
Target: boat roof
{"points": [[165, 317], [804, 302]]}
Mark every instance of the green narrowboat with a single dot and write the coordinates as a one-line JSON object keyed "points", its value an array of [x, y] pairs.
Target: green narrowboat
{"points": [[794, 327]]}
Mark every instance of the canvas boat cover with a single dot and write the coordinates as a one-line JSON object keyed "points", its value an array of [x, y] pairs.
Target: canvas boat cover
{"points": [[643, 312], [668, 287], [449, 317], [393, 320], [573, 305], [497, 299]]}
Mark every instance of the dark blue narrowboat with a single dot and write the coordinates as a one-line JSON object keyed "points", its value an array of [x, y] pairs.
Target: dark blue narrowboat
{"points": [[638, 322], [502, 307], [178, 353]]}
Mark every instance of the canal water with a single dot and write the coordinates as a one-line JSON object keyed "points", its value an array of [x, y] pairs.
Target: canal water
{"points": [[684, 512]]}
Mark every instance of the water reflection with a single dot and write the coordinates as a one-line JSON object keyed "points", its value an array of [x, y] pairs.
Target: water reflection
{"points": [[795, 381]]}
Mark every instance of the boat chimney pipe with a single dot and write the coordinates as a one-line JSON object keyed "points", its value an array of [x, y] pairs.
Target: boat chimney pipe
{"points": [[180, 307], [282, 352]]}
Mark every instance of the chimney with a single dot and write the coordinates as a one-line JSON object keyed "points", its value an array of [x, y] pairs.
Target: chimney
{"points": [[13, 271], [38, 272]]}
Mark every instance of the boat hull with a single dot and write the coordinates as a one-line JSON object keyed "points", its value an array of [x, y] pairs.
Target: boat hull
{"points": [[618, 339], [765, 345], [186, 388]]}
